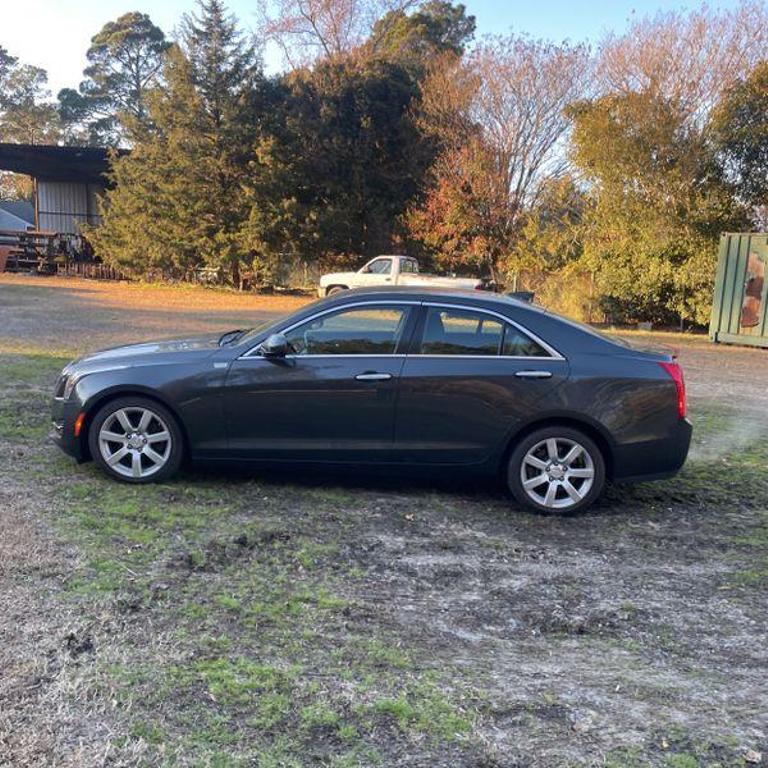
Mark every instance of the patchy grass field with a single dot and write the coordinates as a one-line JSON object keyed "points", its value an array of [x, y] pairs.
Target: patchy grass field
{"points": [[228, 619]]}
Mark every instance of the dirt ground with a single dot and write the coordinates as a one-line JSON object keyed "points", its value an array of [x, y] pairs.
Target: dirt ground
{"points": [[229, 619]]}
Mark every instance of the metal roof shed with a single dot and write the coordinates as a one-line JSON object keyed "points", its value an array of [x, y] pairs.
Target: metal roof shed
{"points": [[740, 305], [67, 182]]}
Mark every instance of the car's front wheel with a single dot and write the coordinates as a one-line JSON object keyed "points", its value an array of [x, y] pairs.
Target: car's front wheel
{"points": [[136, 440], [556, 470]]}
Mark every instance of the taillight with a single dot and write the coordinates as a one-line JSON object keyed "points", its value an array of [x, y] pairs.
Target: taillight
{"points": [[676, 373]]}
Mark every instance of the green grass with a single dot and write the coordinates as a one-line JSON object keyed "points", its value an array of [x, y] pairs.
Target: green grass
{"points": [[28, 381], [235, 682], [756, 545], [683, 760], [422, 708]]}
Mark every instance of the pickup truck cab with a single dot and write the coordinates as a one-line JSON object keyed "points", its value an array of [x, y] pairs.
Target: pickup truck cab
{"points": [[392, 270]]}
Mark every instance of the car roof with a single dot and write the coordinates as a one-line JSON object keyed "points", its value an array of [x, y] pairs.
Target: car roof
{"points": [[560, 333], [426, 293]]}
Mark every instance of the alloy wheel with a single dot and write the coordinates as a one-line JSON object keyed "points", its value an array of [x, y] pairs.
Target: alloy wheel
{"points": [[557, 473], [135, 442]]}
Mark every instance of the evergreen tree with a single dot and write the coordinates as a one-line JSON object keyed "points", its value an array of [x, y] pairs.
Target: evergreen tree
{"points": [[7, 63], [413, 40], [126, 58], [26, 116], [26, 112], [224, 66], [344, 159], [178, 204]]}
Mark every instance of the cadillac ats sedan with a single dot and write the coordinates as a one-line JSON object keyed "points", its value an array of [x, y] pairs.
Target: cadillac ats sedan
{"points": [[406, 378]]}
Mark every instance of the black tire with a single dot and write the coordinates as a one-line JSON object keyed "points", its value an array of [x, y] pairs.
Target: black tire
{"points": [[163, 422], [563, 503], [334, 289]]}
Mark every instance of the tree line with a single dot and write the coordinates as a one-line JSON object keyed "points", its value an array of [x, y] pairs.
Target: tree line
{"points": [[602, 177]]}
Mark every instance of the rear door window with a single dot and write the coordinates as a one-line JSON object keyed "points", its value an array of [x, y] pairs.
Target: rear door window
{"points": [[465, 332]]}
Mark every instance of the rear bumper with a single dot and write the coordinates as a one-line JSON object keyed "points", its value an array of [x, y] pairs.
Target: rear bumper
{"points": [[63, 416], [653, 459]]}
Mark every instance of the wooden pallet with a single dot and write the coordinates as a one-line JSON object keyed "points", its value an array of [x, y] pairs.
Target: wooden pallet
{"points": [[29, 251], [47, 253]]}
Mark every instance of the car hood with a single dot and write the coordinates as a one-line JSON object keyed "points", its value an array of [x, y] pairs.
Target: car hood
{"points": [[145, 353], [335, 277]]}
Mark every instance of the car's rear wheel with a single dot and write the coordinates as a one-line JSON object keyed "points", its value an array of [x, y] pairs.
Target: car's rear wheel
{"points": [[335, 289], [136, 440], [556, 470]]}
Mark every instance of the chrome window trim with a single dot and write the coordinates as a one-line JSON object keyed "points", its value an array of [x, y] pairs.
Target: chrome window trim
{"points": [[330, 357], [397, 302], [553, 353], [252, 354], [400, 354], [489, 357]]}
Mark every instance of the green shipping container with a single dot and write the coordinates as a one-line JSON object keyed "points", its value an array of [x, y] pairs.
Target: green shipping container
{"points": [[740, 306]]}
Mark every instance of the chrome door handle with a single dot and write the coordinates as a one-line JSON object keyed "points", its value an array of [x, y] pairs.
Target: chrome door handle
{"points": [[373, 376], [534, 374]]}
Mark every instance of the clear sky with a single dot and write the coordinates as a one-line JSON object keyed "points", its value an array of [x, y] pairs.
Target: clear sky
{"points": [[54, 34]]}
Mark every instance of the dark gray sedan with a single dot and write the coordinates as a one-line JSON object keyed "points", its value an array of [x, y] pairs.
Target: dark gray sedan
{"points": [[401, 377]]}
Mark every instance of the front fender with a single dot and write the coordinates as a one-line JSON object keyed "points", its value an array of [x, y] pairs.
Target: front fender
{"points": [[192, 392]]}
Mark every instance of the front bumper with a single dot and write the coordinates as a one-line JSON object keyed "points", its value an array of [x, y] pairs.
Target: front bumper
{"points": [[64, 413], [653, 459]]}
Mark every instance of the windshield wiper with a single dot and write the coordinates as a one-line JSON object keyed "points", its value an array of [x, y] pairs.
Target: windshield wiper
{"points": [[231, 336]]}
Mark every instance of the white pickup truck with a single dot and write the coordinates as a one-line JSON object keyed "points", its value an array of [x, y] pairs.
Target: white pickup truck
{"points": [[392, 270]]}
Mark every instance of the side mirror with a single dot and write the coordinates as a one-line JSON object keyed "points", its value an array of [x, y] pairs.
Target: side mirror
{"points": [[275, 345]]}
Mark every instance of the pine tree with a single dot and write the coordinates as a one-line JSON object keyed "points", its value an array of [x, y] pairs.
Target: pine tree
{"points": [[125, 60], [177, 204]]}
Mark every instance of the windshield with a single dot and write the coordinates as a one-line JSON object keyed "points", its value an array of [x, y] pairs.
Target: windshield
{"points": [[253, 332]]}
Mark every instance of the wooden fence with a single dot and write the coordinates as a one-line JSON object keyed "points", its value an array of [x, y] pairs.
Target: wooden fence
{"points": [[91, 269]]}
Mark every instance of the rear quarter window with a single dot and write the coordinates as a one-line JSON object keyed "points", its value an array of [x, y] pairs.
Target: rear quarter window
{"points": [[518, 344]]}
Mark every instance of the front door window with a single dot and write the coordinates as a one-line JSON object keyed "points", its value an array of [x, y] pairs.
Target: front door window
{"points": [[354, 331], [380, 267]]}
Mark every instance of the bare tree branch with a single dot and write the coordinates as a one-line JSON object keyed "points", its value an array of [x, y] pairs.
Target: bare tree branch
{"points": [[306, 30], [687, 58]]}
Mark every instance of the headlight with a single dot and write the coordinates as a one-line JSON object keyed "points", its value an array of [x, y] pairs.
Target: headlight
{"points": [[69, 385], [65, 385]]}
